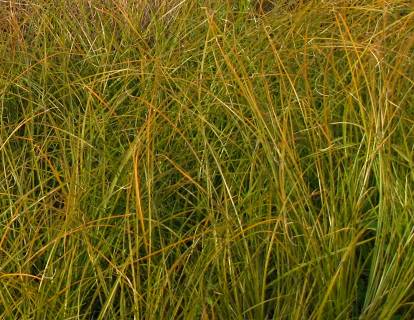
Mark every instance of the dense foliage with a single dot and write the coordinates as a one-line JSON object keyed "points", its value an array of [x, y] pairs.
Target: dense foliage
{"points": [[207, 159]]}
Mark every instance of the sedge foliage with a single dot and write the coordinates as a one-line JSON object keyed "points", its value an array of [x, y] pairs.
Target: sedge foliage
{"points": [[206, 160]]}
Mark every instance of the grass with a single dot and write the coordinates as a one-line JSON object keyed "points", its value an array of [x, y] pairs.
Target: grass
{"points": [[207, 160]]}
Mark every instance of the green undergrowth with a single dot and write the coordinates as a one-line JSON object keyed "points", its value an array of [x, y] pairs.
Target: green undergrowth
{"points": [[207, 160]]}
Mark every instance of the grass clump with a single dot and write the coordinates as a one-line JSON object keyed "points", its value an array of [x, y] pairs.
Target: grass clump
{"points": [[207, 160]]}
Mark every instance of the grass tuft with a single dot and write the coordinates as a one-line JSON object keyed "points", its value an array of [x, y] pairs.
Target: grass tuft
{"points": [[206, 159]]}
